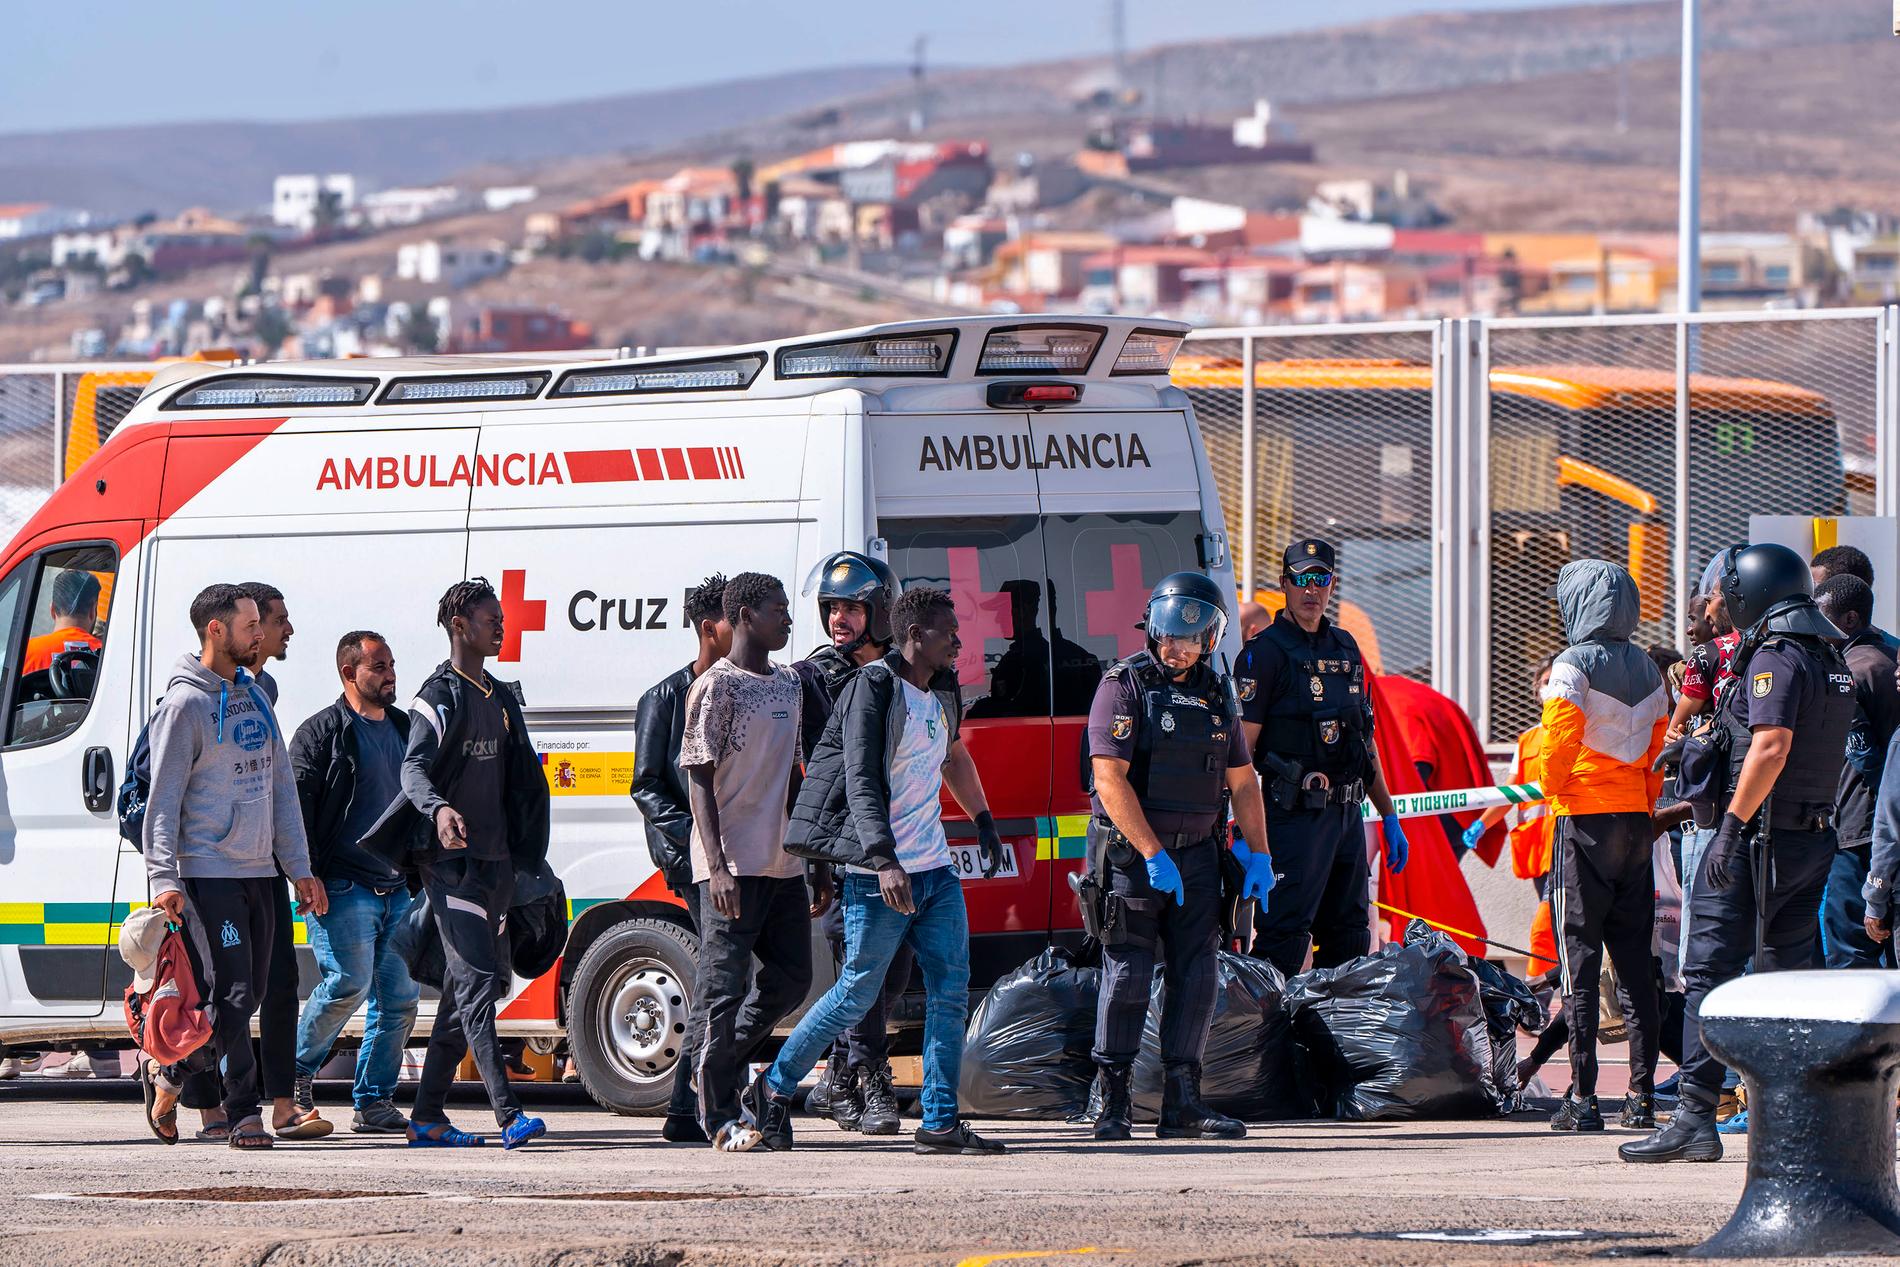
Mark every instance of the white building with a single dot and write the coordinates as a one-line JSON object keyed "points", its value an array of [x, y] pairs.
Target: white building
{"points": [[502, 197], [294, 199], [387, 208], [1258, 130], [107, 246], [434, 262], [37, 219]]}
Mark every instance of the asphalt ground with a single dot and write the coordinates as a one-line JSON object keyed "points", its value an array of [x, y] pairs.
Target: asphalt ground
{"points": [[605, 1189]]}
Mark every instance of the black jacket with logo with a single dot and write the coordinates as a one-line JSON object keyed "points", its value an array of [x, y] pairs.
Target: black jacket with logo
{"points": [[324, 757], [438, 724], [659, 785]]}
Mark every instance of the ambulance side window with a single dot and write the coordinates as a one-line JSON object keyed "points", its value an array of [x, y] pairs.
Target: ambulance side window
{"points": [[65, 626], [992, 565], [1101, 569]]}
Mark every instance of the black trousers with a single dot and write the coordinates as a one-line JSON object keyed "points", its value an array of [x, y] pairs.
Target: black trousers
{"points": [[1722, 936], [1603, 894], [228, 932], [867, 1044], [737, 1007], [1187, 937], [685, 1102], [1669, 1040], [469, 898], [1320, 898], [277, 1014]]}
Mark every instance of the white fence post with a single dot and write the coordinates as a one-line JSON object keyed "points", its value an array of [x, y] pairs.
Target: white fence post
{"points": [[1249, 523], [1887, 413]]}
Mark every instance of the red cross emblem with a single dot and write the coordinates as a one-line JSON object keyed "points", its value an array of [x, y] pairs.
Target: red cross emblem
{"points": [[983, 614], [1115, 611], [519, 613]]}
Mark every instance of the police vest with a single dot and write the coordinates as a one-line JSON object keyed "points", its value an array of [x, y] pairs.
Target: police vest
{"points": [[1712, 762], [1323, 720], [1181, 738]]}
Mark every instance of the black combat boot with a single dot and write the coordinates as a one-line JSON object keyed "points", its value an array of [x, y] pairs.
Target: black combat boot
{"points": [[1116, 1118], [1690, 1136], [1184, 1116], [847, 1097], [818, 1099], [1577, 1114], [881, 1115]]}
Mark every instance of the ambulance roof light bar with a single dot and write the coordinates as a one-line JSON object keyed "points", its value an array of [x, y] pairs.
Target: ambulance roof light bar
{"points": [[258, 391], [1148, 352], [444, 390], [707, 374], [1040, 349], [925, 354]]}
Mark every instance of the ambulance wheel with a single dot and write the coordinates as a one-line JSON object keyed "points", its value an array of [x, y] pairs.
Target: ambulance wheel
{"points": [[627, 1013]]}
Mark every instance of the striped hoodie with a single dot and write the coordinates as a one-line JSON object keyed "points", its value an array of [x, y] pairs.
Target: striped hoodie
{"points": [[1606, 706]]}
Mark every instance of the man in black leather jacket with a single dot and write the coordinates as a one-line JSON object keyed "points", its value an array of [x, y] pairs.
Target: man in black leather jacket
{"points": [[659, 789]]}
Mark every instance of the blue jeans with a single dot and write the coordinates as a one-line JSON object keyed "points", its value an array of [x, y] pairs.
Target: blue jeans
{"points": [[352, 946], [939, 932]]}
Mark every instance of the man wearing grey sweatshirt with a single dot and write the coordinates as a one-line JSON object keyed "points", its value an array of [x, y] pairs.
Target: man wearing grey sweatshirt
{"points": [[222, 817]]}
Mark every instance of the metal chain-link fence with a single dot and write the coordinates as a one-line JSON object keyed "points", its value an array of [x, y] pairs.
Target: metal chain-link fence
{"points": [[51, 419]]}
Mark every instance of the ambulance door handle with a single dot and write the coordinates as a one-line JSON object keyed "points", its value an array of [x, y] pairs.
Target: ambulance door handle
{"points": [[95, 777]]}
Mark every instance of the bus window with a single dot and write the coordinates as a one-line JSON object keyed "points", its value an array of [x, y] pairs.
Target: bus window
{"points": [[65, 632], [992, 566]]}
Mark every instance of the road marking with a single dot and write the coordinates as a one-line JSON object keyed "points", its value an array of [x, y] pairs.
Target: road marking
{"points": [[984, 1260]]}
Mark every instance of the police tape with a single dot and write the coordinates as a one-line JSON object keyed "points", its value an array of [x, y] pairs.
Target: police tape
{"points": [[1428, 804]]}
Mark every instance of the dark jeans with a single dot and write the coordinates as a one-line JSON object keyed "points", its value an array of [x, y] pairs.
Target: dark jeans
{"points": [[228, 940], [1321, 898], [1723, 936], [277, 1014], [469, 899], [737, 1007], [1603, 891], [1844, 939], [1187, 935], [867, 1043]]}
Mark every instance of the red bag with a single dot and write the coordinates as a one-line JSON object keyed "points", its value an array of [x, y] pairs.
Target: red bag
{"points": [[169, 1020]]}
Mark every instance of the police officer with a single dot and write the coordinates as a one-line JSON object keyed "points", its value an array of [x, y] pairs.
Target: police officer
{"points": [[1779, 729], [1308, 719], [1165, 753]]}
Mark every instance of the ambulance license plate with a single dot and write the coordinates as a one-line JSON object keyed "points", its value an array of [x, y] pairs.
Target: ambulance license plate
{"points": [[968, 860]]}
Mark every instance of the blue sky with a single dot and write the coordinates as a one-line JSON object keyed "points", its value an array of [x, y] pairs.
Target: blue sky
{"points": [[127, 62]]}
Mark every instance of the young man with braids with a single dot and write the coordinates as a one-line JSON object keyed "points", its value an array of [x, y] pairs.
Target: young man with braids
{"points": [[659, 789], [473, 776], [739, 747]]}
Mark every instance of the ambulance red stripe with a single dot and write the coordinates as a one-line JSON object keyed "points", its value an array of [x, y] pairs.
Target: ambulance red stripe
{"points": [[601, 466], [675, 464], [705, 464]]}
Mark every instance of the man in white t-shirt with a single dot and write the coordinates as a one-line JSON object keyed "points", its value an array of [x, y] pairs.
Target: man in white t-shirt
{"points": [[870, 803], [738, 749]]}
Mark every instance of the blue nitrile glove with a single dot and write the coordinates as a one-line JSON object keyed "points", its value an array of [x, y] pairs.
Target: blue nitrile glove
{"points": [[1473, 834], [1395, 847], [1165, 876], [1259, 881]]}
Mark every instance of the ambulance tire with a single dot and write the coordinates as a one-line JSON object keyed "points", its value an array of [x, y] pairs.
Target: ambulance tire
{"points": [[627, 1013]]}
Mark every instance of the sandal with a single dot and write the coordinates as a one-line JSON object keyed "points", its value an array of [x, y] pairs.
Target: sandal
{"points": [[148, 1082], [441, 1135], [311, 1125], [250, 1133], [216, 1132]]}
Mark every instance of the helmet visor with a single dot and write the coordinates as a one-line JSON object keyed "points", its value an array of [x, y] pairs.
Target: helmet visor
{"points": [[850, 575], [1182, 616]]}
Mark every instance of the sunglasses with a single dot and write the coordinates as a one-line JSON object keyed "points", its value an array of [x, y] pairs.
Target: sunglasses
{"points": [[1311, 580]]}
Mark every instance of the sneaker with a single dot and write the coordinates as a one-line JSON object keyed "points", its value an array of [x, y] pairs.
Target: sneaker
{"points": [[303, 1093], [736, 1137], [520, 1129], [1669, 1088], [769, 1113], [959, 1139], [682, 1130], [1639, 1111], [881, 1116], [1577, 1115], [1736, 1125], [80, 1066], [378, 1117], [9, 1068]]}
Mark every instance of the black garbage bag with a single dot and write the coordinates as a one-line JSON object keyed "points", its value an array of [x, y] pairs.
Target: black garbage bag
{"points": [[1508, 1005], [1250, 1068], [1400, 1033], [1027, 1052]]}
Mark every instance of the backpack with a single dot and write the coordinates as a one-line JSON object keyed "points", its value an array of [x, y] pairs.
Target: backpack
{"points": [[136, 789]]}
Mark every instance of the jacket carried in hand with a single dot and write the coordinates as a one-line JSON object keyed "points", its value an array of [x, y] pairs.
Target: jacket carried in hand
{"points": [[324, 757], [438, 723], [843, 812], [659, 785]]}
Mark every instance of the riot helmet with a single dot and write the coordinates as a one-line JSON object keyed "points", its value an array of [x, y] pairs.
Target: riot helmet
{"points": [[1769, 589], [1186, 605], [858, 578]]}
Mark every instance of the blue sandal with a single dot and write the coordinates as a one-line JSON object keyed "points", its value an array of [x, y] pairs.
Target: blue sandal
{"points": [[441, 1135], [522, 1128]]}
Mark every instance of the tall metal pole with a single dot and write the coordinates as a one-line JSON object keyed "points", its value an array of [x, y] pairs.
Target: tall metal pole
{"points": [[1689, 198], [1246, 529]]}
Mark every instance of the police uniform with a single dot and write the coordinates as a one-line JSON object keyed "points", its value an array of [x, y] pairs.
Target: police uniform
{"points": [[1793, 680], [1308, 694]]}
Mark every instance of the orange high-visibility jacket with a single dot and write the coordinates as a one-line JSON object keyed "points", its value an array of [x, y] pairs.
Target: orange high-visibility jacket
{"points": [[1531, 821], [1606, 707]]}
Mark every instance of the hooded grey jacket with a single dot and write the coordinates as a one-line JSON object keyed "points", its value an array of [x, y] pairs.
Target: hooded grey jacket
{"points": [[223, 802], [1606, 706]]}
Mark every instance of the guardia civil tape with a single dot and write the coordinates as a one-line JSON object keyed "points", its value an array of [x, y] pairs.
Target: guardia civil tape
{"points": [[1428, 804]]}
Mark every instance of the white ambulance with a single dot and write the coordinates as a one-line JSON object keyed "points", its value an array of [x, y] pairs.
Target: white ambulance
{"points": [[1039, 468]]}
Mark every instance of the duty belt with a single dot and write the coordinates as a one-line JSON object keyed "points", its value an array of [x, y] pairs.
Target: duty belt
{"points": [[1168, 839], [1800, 816]]}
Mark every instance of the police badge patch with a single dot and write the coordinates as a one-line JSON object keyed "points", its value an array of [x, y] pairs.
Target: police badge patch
{"points": [[1191, 613], [1123, 727], [1317, 687], [1764, 683], [1329, 733], [1167, 722], [1246, 686]]}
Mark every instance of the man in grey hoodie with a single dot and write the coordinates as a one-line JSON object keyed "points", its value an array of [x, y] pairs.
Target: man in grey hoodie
{"points": [[222, 818]]}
